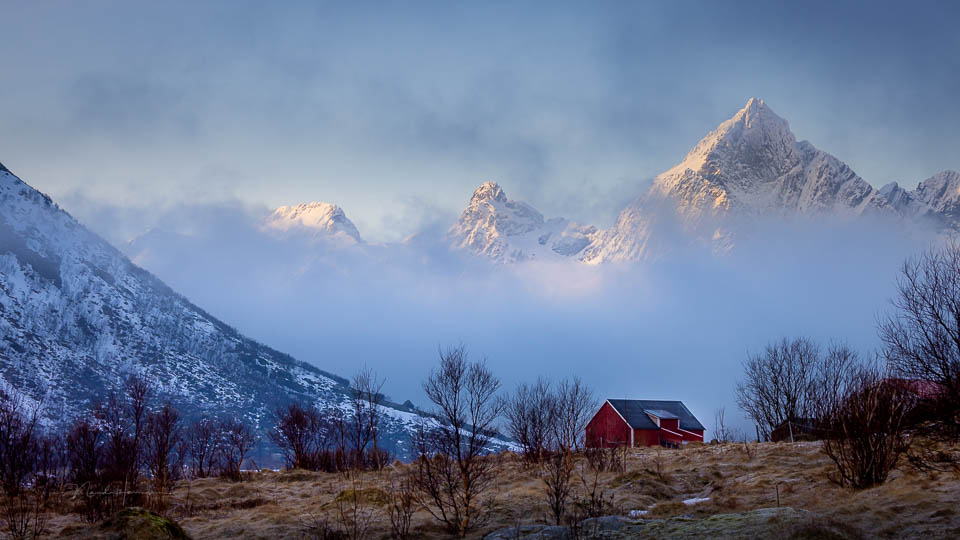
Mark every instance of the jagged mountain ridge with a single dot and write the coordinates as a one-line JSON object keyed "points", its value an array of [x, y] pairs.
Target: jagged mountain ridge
{"points": [[936, 199], [750, 166], [76, 316], [512, 231]]}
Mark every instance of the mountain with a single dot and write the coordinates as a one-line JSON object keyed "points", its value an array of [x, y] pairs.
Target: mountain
{"points": [[512, 231], [76, 317], [318, 219], [751, 166], [936, 199]]}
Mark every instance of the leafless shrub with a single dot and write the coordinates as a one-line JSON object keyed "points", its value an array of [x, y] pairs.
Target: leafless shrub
{"points": [[721, 432], [922, 335], [319, 528], [612, 458], [867, 429], [354, 513], [749, 449], [589, 501], [556, 474], [402, 506], [658, 464], [452, 472]]}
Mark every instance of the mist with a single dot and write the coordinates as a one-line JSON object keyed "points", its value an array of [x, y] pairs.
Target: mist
{"points": [[675, 328]]}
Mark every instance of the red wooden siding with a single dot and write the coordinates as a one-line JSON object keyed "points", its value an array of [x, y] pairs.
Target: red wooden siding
{"points": [[646, 437], [607, 429], [672, 424]]}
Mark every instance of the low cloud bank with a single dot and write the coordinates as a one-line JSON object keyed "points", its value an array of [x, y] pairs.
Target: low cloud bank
{"points": [[678, 328]]}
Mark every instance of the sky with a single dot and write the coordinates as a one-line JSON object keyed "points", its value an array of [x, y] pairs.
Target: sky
{"points": [[396, 111], [193, 119]]}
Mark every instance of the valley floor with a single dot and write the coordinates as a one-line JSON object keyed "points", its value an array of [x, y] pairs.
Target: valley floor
{"points": [[712, 479]]}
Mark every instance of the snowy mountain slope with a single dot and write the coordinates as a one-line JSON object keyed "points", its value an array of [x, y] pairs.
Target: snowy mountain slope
{"points": [[511, 231], [750, 166], [935, 199], [319, 219], [76, 317]]}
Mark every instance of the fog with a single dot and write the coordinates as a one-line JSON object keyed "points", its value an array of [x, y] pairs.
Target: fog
{"points": [[676, 328]]}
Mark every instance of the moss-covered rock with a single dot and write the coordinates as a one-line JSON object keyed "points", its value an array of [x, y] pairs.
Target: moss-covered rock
{"points": [[140, 524], [374, 496]]}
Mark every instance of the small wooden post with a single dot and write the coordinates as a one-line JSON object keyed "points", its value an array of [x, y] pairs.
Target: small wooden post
{"points": [[778, 495], [758, 432], [790, 425]]}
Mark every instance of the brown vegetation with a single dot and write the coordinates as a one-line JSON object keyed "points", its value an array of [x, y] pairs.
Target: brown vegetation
{"points": [[912, 503]]}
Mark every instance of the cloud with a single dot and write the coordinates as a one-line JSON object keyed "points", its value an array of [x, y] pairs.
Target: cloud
{"points": [[674, 329]]}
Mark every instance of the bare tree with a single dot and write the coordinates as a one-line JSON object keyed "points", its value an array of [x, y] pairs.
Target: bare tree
{"points": [[301, 435], [531, 414], [85, 455], [793, 380], [18, 440], [866, 428], [574, 405], [238, 439], [123, 417], [922, 335], [452, 472], [163, 443], [24, 493], [367, 403], [202, 450], [721, 432], [778, 383]]}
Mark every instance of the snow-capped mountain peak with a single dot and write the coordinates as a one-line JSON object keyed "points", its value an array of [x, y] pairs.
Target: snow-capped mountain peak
{"points": [[488, 191], [755, 136], [750, 166], [938, 197], [318, 218], [508, 231]]}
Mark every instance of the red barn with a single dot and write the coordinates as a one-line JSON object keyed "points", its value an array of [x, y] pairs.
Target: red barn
{"points": [[642, 422]]}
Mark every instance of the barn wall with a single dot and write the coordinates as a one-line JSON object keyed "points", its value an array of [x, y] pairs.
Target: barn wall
{"points": [[672, 424], [607, 429], [693, 438], [646, 437]]}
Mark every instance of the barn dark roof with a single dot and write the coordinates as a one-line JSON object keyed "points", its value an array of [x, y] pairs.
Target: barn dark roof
{"points": [[634, 411]]}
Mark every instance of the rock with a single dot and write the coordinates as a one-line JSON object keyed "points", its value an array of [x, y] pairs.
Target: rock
{"points": [[140, 524]]}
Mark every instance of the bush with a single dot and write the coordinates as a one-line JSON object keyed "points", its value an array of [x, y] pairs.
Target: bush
{"points": [[866, 429]]}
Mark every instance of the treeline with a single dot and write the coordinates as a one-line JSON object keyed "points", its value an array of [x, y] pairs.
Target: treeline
{"points": [[870, 413], [129, 450]]}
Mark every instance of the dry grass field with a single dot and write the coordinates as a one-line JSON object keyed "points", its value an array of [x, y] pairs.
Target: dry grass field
{"points": [[297, 504]]}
